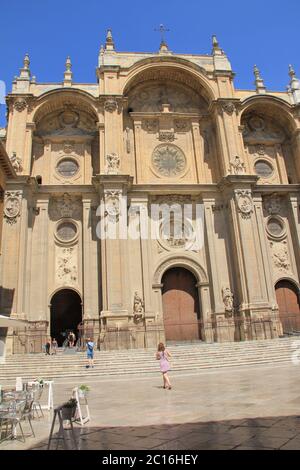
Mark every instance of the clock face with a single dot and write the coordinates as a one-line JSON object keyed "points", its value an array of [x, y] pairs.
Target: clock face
{"points": [[168, 160]]}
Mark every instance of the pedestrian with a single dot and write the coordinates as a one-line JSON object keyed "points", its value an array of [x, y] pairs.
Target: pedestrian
{"points": [[90, 352], [71, 339], [164, 356], [54, 346], [48, 346]]}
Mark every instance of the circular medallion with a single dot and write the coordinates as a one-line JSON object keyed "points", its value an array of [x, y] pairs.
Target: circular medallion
{"points": [[257, 123], [276, 227], [168, 160], [68, 118], [177, 233], [67, 167], [66, 231], [263, 168], [12, 207]]}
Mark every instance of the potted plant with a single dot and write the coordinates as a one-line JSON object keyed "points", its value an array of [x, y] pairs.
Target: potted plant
{"points": [[83, 390], [68, 409], [40, 382]]}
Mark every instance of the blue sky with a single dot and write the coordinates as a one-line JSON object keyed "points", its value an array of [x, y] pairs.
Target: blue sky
{"points": [[261, 32]]}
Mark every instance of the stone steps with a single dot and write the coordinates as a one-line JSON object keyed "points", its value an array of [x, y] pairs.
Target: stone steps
{"points": [[186, 357]]}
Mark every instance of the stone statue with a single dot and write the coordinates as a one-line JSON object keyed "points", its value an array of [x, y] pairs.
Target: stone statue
{"points": [[237, 166], [138, 308], [227, 299], [112, 164], [16, 162]]}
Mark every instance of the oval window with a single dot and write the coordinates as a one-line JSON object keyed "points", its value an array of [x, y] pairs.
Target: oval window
{"points": [[67, 167], [263, 169], [66, 231], [275, 227]]}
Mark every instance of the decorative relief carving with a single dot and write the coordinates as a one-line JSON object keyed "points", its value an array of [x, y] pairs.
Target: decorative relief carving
{"points": [[227, 300], [228, 107], [237, 167], [65, 206], [168, 160], [68, 147], [150, 125], [176, 233], [166, 136], [138, 308], [244, 202], [112, 164], [67, 265], [67, 123], [181, 125], [12, 206], [172, 199], [280, 255], [219, 207], [68, 118], [20, 104], [180, 99], [16, 162], [259, 131], [261, 149], [273, 204], [112, 203], [110, 105]]}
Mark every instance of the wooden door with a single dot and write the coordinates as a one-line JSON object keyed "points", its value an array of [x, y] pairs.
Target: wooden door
{"points": [[180, 305], [289, 309]]}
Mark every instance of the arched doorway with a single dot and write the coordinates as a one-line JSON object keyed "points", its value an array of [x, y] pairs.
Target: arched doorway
{"points": [[287, 297], [65, 314], [181, 308]]}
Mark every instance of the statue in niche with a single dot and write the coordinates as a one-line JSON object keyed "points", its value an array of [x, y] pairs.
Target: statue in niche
{"points": [[16, 162], [138, 308], [237, 167], [228, 300]]}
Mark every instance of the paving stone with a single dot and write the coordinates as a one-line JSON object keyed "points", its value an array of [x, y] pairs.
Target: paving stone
{"points": [[271, 442]]}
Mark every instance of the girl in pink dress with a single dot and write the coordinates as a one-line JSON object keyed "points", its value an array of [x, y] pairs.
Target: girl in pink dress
{"points": [[163, 356]]}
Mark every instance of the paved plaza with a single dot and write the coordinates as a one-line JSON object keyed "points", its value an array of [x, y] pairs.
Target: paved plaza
{"points": [[241, 408]]}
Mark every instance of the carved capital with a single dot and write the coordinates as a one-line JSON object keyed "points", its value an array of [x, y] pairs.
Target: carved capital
{"points": [[110, 105]]}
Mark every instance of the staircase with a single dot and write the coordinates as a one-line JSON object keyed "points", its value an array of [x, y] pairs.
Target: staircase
{"points": [[186, 358]]}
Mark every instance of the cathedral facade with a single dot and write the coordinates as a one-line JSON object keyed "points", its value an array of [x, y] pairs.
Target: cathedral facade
{"points": [[155, 129]]}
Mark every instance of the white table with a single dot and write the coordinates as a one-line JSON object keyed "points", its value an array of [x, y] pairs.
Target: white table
{"points": [[49, 384]]}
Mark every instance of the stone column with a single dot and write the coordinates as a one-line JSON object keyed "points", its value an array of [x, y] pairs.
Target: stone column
{"points": [[250, 281], [91, 277], [117, 308], [198, 151], [206, 326], [212, 256], [102, 161], [229, 139], [113, 118], [138, 150], [294, 204], [296, 152], [30, 127]]}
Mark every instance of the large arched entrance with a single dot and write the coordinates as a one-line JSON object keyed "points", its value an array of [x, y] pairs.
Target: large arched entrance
{"points": [[287, 297], [181, 308], [66, 314]]}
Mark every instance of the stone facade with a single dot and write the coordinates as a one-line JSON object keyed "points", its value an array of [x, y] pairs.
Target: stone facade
{"points": [[155, 127]]}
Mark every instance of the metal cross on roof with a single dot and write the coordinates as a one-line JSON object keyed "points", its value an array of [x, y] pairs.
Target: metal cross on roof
{"points": [[162, 31]]}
